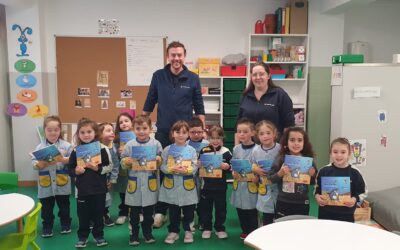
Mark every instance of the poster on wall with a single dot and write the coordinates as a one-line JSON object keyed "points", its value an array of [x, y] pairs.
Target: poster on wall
{"points": [[104, 93], [24, 66], [104, 104], [102, 78], [22, 39], [126, 93], [358, 155], [26, 81], [16, 109], [38, 111], [26, 96]]}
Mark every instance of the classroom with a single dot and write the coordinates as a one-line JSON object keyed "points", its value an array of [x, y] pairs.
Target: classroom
{"points": [[336, 63]]}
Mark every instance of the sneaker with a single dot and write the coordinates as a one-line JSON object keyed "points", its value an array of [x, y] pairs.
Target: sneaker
{"points": [[141, 218], [108, 221], [159, 220], [171, 238], [133, 240], [149, 239], [206, 234], [47, 233], [65, 229], [201, 227], [188, 237], [192, 228], [100, 242], [243, 236], [222, 235], [91, 224], [121, 220], [81, 243]]}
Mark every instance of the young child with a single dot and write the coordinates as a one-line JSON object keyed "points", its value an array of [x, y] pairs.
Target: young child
{"points": [[267, 150], [178, 188], [213, 190], [91, 183], [197, 141], [54, 183], [142, 192], [244, 194], [292, 197], [107, 136], [340, 167], [124, 123]]}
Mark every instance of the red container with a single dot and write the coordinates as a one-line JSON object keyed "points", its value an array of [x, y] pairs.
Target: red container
{"points": [[233, 70], [277, 71], [258, 27], [270, 23]]}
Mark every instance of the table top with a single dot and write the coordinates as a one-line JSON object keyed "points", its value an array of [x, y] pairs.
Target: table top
{"points": [[324, 234], [14, 206]]}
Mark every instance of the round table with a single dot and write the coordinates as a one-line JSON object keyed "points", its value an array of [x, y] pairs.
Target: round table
{"points": [[321, 234], [13, 207]]}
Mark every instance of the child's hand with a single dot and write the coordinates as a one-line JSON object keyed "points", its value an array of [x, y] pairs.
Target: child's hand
{"points": [[109, 185], [284, 170], [91, 165], [321, 200], [79, 170], [158, 160], [180, 169], [42, 164], [225, 166], [235, 175], [128, 161], [65, 160], [259, 171], [255, 179], [120, 150], [312, 171], [350, 202]]}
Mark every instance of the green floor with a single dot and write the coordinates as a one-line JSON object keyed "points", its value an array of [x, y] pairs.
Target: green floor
{"points": [[118, 236]]}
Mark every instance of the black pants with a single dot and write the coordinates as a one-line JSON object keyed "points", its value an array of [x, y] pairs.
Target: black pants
{"points": [[175, 217], [91, 208], [248, 219], [63, 210], [268, 218], [147, 220], [327, 215], [285, 209], [163, 138], [123, 209], [208, 200]]}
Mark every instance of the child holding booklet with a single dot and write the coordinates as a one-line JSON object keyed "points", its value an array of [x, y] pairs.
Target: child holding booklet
{"points": [[340, 167], [244, 193], [292, 197], [213, 190], [142, 190], [178, 188], [91, 182], [262, 157], [54, 185]]}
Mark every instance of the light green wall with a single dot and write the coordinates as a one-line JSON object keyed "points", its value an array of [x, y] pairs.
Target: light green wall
{"points": [[319, 112]]}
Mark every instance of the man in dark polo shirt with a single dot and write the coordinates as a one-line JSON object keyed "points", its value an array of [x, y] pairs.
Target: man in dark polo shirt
{"points": [[177, 92]]}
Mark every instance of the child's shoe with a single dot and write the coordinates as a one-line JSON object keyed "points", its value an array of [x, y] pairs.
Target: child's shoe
{"points": [[192, 228], [141, 218], [149, 239], [91, 224], [172, 237], [65, 229], [206, 234], [159, 220], [121, 220], [108, 221], [188, 237], [221, 235], [81, 243], [100, 241], [243, 236], [133, 240], [47, 233]]}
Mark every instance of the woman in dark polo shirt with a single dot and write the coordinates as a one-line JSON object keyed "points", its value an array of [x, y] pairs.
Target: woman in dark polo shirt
{"points": [[262, 100]]}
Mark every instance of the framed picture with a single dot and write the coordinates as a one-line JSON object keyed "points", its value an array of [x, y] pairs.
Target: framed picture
{"points": [[104, 93], [83, 91], [102, 78]]}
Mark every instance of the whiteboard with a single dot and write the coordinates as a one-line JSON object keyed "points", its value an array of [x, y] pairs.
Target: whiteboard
{"points": [[144, 55]]}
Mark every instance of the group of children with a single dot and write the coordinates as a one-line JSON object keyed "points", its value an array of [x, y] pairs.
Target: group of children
{"points": [[182, 188]]}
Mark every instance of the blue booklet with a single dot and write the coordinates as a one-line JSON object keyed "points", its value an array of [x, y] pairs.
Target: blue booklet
{"points": [[197, 145], [266, 165], [179, 155], [88, 153], [49, 154], [211, 166], [336, 190], [243, 168], [144, 158], [124, 137], [299, 167]]}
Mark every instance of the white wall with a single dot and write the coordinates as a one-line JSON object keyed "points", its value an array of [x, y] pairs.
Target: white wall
{"points": [[378, 24]]}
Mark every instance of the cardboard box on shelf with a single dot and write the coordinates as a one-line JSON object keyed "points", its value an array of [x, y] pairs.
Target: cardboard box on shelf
{"points": [[298, 16], [209, 66]]}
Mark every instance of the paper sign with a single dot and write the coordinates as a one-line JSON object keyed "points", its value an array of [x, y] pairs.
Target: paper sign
{"points": [[358, 155], [337, 75], [16, 109], [38, 111], [366, 92]]}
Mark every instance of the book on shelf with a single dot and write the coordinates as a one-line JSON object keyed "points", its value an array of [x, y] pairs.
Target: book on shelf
{"points": [[88, 153], [179, 155], [124, 137], [210, 166], [49, 154], [336, 190], [243, 168], [266, 165], [299, 167], [144, 158]]}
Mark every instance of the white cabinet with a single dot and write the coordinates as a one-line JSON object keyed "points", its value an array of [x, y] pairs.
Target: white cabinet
{"points": [[212, 96], [288, 52]]}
